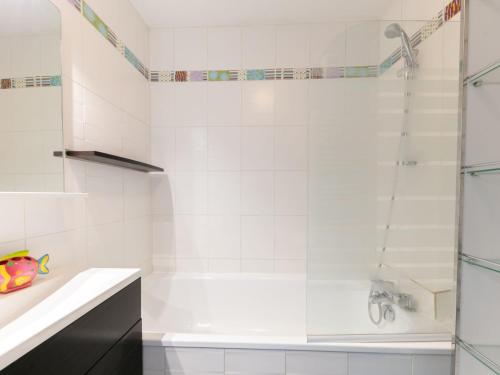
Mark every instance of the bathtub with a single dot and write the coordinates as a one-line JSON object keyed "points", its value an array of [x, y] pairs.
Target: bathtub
{"points": [[242, 311]]}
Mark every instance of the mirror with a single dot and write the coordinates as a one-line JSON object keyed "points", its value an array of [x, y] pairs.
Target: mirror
{"points": [[30, 97]]}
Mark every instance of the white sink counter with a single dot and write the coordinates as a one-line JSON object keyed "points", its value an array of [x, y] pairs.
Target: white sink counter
{"points": [[74, 299]]}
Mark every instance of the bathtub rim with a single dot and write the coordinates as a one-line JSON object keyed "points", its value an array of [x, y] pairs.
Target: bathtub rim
{"points": [[189, 340]]}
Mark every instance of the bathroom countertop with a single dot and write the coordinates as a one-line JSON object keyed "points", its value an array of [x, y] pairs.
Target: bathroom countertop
{"points": [[67, 304]]}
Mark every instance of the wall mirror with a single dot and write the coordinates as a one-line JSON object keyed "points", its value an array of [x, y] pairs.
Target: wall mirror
{"points": [[30, 97]]}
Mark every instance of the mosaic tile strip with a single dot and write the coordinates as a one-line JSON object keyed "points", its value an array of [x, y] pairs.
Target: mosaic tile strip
{"points": [[28, 82], [91, 16], [450, 11]]}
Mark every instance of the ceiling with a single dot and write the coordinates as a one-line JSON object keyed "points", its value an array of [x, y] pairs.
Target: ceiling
{"points": [[193, 13]]}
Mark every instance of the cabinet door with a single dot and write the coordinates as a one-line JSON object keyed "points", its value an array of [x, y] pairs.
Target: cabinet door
{"points": [[125, 358]]}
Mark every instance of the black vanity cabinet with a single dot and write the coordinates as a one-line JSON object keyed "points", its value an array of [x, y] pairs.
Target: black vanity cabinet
{"points": [[106, 340]]}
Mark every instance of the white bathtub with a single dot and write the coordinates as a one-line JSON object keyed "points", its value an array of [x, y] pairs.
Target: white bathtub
{"points": [[245, 312]]}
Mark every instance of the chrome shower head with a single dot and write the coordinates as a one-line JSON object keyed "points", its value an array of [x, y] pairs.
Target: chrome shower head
{"points": [[394, 30]]}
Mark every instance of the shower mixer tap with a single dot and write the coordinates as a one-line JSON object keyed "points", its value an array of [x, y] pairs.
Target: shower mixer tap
{"points": [[384, 295]]}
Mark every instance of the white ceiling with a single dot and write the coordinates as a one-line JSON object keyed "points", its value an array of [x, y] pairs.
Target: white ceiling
{"points": [[28, 17], [192, 13]]}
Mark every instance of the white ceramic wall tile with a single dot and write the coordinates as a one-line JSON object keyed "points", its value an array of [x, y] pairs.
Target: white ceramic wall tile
{"points": [[291, 148], [224, 196], [255, 362], [259, 47], [257, 266], [293, 46], [224, 265], [258, 103], [290, 237], [316, 363], [483, 21], [257, 193], [291, 193], [161, 44], [190, 104], [223, 236], [162, 107], [432, 365], [257, 237], [257, 148], [328, 44], [224, 103], [194, 361], [467, 364], [292, 266], [224, 149], [163, 148], [191, 236], [362, 364], [191, 149], [224, 48], [12, 221], [190, 193], [190, 49], [291, 100]]}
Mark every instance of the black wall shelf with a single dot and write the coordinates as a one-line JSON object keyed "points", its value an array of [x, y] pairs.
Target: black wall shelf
{"points": [[109, 159]]}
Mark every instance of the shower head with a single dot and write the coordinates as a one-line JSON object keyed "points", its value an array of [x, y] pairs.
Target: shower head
{"points": [[394, 30]]}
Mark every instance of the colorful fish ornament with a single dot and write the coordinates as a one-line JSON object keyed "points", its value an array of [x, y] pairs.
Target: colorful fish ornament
{"points": [[18, 270]]}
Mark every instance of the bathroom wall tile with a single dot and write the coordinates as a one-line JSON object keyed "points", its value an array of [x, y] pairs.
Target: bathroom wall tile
{"points": [[105, 200], [224, 48], [224, 103], [291, 193], [328, 44], [293, 46], [138, 243], [163, 148], [223, 236], [291, 148], [191, 236], [190, 104], [190, 49], [257, 148], [224, 265], [190, 193], [432, 365], [316, 363], [67, 250], [136, 195], [258, 103], [259, 47], [257, 237], [105, 245], [53, 214], [194, 361], [362, 41], [257, 266], [161, 44], [163, 236], [292, 102], [362, 364], [162, 195], [162, 107], [224, 149], [290, 237], [188, 265], [257, 193], [191, 149], [224, 193], [290, 266], [255, 362]]}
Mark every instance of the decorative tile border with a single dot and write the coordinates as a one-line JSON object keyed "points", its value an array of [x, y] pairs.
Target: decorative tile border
{"points": [[27, 82], [450, 11]]}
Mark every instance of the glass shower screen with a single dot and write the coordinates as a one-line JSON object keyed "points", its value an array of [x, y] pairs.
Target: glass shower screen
{"points": [[383, 169]]}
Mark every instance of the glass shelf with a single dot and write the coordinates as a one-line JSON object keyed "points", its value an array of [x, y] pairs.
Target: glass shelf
{"points": [[488, 355], [489, 168], [487, 76], [489, 264]]}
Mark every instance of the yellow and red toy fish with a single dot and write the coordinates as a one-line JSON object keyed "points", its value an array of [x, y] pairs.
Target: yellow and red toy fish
{"points": [[18, 270]]}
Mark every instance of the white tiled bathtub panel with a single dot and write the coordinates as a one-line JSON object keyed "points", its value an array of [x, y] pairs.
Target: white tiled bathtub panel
{"points": [[203, 361]]}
